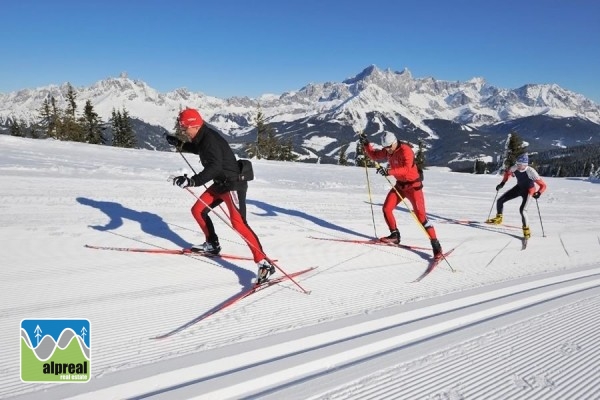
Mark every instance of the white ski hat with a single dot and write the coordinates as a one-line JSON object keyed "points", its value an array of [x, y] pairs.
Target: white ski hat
{"points": [[523, 159], [388, 139]]}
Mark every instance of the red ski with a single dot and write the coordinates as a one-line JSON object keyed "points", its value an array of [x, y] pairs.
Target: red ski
{"points": [[170, 251], [432, 264], [373, 241], [478, 223], [255, 288]]}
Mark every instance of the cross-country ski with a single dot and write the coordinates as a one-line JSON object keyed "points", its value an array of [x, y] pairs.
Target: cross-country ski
{"points": [[434, 262], [188, 251], [377, 242]]}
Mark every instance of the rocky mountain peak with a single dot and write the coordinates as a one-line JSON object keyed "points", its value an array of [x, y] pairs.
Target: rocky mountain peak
{"points": [[374, 99]]}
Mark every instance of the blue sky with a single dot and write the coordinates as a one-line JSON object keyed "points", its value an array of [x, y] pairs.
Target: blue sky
{"points": [[247, 48]]}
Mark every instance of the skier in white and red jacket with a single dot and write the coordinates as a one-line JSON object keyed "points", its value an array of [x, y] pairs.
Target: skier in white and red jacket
{"points": [[527, 179]]}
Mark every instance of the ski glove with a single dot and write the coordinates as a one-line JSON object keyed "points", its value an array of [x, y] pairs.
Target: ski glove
{"points": [[173, 140], [183, 181], [499, 186], [536, 195], [362, 139], [382, 170]]}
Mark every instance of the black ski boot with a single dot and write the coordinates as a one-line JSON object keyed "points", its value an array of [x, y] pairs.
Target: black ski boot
{"points": [[212, 247], [265, 270], [437, 249], [394, 237]]}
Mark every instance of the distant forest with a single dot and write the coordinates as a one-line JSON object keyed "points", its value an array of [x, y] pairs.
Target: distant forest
{"points": [[573, 161], [578, 161]]}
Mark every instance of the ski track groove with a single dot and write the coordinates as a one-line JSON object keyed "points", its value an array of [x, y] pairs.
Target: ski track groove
{"points": [[498, 253], [412, 384], [116, 352], [563, 245], [420, 385], [521, 361], [540, 368], [591, 363]]}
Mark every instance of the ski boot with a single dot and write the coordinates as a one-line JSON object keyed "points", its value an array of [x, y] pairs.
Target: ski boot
{"points": [[393, 238], [526, 232], [212, 247], [437, 249], [497, 220], [265, 270]]}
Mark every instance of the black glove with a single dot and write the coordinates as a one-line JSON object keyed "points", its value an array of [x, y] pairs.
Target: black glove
{"points": [[536, 195], [183, 181], [362, 139], [382, 170], [499, 186], [173, 140]]}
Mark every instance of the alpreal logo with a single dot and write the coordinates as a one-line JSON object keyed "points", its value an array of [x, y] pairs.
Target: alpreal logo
{"points": [[55, 350]]}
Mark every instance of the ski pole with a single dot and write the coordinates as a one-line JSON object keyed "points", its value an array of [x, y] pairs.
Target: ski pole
{"points": [[370, 200], [412, 213], [186, 161], [540, 215], [492, 207], [192, 168], [377, 165], [246, 240], [370, 197]]}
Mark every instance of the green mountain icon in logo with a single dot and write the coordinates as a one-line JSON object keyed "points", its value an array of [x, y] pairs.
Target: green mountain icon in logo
{"points": [[66, 360]]}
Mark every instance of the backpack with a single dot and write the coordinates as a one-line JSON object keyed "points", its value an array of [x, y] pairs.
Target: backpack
{"points": [[419, 169], [246, 171]]}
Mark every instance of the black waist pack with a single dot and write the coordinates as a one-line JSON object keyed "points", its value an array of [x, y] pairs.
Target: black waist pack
{"points": [[246, 171]]}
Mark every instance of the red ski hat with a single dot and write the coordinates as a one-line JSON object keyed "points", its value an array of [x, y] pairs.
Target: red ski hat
{"points": [[190, 118]]}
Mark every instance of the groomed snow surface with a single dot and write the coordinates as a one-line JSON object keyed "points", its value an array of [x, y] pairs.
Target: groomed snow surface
{"points": [[508, 324]]}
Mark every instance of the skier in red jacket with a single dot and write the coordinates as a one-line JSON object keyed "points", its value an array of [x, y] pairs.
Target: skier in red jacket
{"points": [[409, 184]]}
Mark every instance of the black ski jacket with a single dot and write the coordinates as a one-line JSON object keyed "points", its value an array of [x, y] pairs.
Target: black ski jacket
{"points": [[217, 158]]}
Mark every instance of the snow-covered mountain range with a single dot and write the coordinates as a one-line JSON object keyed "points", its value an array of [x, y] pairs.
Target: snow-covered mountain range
{"points": [[456, 120]]}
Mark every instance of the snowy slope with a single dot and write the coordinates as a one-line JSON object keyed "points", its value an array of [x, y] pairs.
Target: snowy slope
{"points": [[508, 324]]}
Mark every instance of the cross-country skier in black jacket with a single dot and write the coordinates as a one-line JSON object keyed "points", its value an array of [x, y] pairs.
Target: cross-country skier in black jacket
{"points": [[228, 186]]}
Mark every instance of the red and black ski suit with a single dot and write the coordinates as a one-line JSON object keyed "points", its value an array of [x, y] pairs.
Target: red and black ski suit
{"points": [[220, 166], [401, 165]]}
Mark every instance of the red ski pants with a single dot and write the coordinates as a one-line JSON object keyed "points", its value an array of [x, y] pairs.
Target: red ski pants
{"points": [[416, 199], [211, 199]]}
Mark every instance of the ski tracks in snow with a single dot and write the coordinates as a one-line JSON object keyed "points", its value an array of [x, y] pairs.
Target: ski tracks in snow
{"points": [[382, 349]]}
